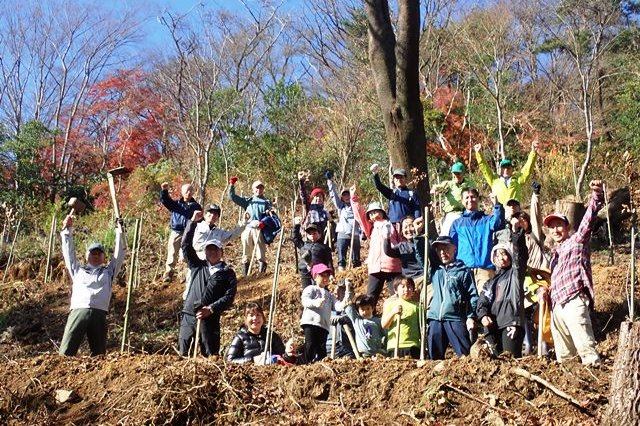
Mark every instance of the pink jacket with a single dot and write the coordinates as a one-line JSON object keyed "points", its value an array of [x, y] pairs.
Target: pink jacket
{"points": [[377, 232]]}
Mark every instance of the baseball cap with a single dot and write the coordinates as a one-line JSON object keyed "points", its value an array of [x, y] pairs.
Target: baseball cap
{"points": [[400, 172], [213, 242], [256, 184], [552, 216], [319, 269], [95, 246], [444, 240], [513, 202], [213, 207], [506, 163], [457, 167], [311, 227], [316, 191]]}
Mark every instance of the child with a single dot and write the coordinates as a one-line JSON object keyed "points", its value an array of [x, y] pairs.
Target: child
{"points": [[402, 201], [291, 356], [318, 302], [339, 320], [453, 307], [346, 225], [410, 251], [501, 304], [249, 344], [403, 305], [377, 228], [315, 213], [368, 329], [312, 252], [91, 292]]}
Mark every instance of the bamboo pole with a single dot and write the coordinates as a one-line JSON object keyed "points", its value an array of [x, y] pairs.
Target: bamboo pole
{"points": [[272, 303], [423, 292], [196, 345], [353, 236], [50, 244], [397, 348], [11, 252], [354, 345], [632, 315], [606, 207], [541, 303], [132, 269]]}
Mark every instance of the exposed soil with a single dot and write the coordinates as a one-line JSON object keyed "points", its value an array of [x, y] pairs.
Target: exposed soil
{"points": [[153, 385]]}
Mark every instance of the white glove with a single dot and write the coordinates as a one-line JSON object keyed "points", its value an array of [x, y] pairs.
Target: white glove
{"points": [[374, 168], [254, 223], [259, 359], [511, 332]]}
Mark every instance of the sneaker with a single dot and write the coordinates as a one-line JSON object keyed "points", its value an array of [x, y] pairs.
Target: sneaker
{"points": [[167, 277], [263, 266]]}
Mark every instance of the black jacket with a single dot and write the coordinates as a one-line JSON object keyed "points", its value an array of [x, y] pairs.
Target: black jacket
{"points": [[216, 291], [320, 253], [502, 297], [245, 345]]}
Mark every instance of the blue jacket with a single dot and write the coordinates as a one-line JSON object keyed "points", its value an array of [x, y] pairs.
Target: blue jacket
{"points": [[455, 297], [256, 207], [181, 210], [402, 201], [473, 235]]}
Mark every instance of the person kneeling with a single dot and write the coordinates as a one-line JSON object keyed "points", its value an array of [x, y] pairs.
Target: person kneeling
{"points": [[501, 303], [249, 344]]}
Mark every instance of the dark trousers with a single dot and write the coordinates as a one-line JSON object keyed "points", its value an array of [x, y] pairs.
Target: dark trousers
{"points": [[343, 248], [82, 322], [305, 278], [315, 342], [412, 352], [376, 281], [501, 342], [209, 334], [441, 333]]}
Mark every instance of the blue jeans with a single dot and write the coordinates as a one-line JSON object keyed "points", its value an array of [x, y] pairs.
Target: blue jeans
{"points": [[441, 333], [343, 249]]}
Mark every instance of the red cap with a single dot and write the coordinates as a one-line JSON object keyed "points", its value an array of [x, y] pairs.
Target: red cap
{"points": [[555, 216], [318, 269], [317, 191]]}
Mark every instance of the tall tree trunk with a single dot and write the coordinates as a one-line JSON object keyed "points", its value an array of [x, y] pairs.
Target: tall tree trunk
{"points": [[394, 64], [624, 398]]}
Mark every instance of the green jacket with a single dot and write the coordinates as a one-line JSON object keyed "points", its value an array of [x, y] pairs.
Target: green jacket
{"points": [[452, 192], [518, 179]]}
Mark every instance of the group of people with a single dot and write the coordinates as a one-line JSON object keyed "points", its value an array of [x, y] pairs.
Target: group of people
{"points": [[483, 274]]}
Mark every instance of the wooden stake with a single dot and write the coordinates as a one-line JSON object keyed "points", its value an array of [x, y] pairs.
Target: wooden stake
{"points": [[353, 235], [274, 296], [606, 207], [197, 342], [632, 314], [354, 345], [423, 291], [13, 245], [541, 303], [334, 336]]}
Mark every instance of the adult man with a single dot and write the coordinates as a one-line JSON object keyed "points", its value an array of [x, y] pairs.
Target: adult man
{"points": [[208, 229], [509, 184], [256, 207], [91, 291], [452, 191], [181, 210], [473, 232], [213, 289], [572, 293], [402, 201]]}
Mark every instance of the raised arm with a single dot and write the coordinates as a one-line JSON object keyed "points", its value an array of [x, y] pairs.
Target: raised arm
{"points": [[188, 251], [118, 253], [384, 189], [487, 172], [359, 213], [520, 252], [333, 193], [526, 169], [595, 204], [238, 200], [68, 248]]}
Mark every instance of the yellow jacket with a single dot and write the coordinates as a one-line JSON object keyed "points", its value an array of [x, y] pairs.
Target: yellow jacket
{"points": [[498, 186]]}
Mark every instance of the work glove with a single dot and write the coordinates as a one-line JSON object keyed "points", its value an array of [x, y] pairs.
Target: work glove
{"points": [[511, 332], [255, 223], [233, 180], [374, 168], [536, 186], [261, 225], [328, 174]]}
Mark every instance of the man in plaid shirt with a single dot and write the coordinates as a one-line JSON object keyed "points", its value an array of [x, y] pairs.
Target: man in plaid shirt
{"points": [[571, 282]]}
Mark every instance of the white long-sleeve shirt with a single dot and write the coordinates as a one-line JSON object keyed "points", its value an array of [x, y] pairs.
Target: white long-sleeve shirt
{"points": [[91, 286]]}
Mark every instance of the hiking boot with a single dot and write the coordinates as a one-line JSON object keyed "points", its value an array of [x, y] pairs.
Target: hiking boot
{"points": [[246, 269], [263, 267]]}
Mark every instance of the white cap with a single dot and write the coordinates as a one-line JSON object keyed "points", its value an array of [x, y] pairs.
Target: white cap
{"points": [[212, 242], [256, 184]]}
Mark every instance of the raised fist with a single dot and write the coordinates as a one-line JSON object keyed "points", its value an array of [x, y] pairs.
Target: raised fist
{"points": [[233, 180], [536, 186], [597, 186], [477, 147], [164, 186], [328, 174], [197, 216], [297, 220], [374, 168], [67, 222]]}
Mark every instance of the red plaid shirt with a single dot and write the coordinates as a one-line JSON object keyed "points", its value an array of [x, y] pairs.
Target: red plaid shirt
{"points": [[571, 259]]}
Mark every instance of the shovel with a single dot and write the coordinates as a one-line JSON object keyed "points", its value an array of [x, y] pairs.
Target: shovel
{"points": [[118, 171]]}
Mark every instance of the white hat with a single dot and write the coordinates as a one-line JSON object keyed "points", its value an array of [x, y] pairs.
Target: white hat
{"points": [[256, 184]]}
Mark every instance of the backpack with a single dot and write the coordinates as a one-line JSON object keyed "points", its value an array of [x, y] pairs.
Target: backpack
{"points": [[272, 227]]}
